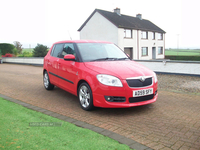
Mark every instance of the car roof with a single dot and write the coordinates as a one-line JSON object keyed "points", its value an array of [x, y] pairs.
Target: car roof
{"points": [[82, 41]]}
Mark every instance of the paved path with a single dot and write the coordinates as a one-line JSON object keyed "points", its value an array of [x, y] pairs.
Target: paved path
{"points": [[173, 122]]}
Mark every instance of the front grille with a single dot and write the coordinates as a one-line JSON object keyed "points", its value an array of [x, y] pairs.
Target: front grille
{"points": [[138, 83], [115, 99], [140, 99]]}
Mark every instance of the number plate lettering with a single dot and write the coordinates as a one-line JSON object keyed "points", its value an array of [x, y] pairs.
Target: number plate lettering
{"points": [[142, 92]]}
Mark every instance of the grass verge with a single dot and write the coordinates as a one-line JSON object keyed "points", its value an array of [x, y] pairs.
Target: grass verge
{"points": [[16, 133], [182, 52]]}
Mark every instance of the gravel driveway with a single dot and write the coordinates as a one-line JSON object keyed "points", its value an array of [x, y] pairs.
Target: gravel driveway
{"points": [[179, 83]]}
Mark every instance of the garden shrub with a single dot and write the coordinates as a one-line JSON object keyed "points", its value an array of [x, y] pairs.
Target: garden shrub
{"points": [[6, 48], [40, 50], [7, 55], [26, 54]]}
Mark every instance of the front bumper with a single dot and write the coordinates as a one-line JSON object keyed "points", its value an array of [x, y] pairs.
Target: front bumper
{"points": [[101, 91]]}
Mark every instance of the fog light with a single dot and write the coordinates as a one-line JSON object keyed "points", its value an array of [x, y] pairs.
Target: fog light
{"points": [[108, 98], [115, 98]]}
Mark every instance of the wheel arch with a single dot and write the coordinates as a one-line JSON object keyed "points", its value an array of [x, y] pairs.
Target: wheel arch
{"points": [[79, 83], [91, 102], [44, 71]]}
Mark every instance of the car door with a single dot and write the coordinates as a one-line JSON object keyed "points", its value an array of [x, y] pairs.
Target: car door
{"points": [[68, 70], [53, 63]]}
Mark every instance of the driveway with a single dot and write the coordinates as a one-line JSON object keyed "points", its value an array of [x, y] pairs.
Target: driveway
{"points": [[173, 122]]}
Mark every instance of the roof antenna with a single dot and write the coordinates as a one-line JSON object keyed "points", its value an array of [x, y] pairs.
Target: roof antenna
{"points": [[69, 35]]}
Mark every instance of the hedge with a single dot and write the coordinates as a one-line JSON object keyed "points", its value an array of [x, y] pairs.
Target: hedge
{"points": [[185, 58]]}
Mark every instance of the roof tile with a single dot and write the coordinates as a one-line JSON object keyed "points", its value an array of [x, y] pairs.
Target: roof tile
{"points": [[124, 21]]}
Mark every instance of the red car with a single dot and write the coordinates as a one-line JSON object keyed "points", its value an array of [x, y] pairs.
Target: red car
{"points": [[100, 74]]}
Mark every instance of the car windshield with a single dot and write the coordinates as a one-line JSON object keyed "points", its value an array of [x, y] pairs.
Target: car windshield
{"points": [[100, 52]]}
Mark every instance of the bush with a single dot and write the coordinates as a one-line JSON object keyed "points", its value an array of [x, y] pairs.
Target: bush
{"points": [[40, 51], [26, 54], [6, 48], [15, 52], [7, 55]]}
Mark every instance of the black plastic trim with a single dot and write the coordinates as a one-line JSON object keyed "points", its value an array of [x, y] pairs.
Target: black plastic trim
{"points": [[141, 99], [61, 77], [138, 83]]}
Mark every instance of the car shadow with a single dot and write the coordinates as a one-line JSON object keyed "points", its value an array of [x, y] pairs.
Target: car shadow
{"points": [[125, 111]]}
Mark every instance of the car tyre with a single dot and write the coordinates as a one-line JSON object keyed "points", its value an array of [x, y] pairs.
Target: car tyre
{"points": [[85, 96], [46, 82]]}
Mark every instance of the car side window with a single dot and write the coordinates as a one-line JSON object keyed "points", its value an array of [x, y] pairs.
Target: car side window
{"points": [[57, 49], [68, 49]]}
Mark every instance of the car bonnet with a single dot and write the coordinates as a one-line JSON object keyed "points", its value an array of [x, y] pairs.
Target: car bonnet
{"points": [[120, 69]]}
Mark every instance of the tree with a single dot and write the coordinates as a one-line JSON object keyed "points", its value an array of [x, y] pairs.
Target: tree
{"points": [[40, 50], [6, 48], [15, 51], [18, 46]]}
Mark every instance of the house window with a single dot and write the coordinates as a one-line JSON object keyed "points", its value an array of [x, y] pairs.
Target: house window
{"points": [[127, 33], [144, 51], [160, 36], [160, 50], [153, 35], [144, 35]]}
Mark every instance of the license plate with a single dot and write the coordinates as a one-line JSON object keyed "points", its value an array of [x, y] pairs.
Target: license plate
{"points": [[142, 92]]}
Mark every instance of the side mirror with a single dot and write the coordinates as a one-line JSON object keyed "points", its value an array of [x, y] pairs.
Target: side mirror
{"points": [[69, 57]]}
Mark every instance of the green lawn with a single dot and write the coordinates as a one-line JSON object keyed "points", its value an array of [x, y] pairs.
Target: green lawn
{"points": [[182, 52], [16, 133]]}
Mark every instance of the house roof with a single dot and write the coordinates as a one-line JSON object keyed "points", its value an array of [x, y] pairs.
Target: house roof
{"points": [[124, 21]]}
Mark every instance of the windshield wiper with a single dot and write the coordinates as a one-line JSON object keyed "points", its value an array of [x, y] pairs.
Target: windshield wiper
{"points": [[106, 58], [122, 58]]}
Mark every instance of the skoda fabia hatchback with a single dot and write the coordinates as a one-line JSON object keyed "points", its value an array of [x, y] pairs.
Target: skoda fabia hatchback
{"points": [[100, 74]]}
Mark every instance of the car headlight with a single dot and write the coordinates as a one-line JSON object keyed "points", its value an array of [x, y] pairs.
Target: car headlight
{"points": [[109, 80], [155, 77]]}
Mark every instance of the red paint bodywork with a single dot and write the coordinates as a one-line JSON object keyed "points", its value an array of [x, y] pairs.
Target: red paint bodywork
{"points": [[87, 71]]}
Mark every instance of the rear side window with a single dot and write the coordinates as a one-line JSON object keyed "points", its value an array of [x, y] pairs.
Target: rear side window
{"points": [[57, 49]]}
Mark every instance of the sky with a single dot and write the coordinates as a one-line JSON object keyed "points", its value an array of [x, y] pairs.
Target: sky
{"points": [[48, 21]]}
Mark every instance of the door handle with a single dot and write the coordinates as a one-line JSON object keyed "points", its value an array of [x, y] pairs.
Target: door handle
{"points": [[58, 63]]}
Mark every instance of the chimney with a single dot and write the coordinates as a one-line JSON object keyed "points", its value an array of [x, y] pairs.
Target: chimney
{"points": [[117, 10], [139, 16]]}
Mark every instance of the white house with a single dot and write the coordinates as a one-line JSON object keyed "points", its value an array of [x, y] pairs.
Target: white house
{"points": [[138, 37]]}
